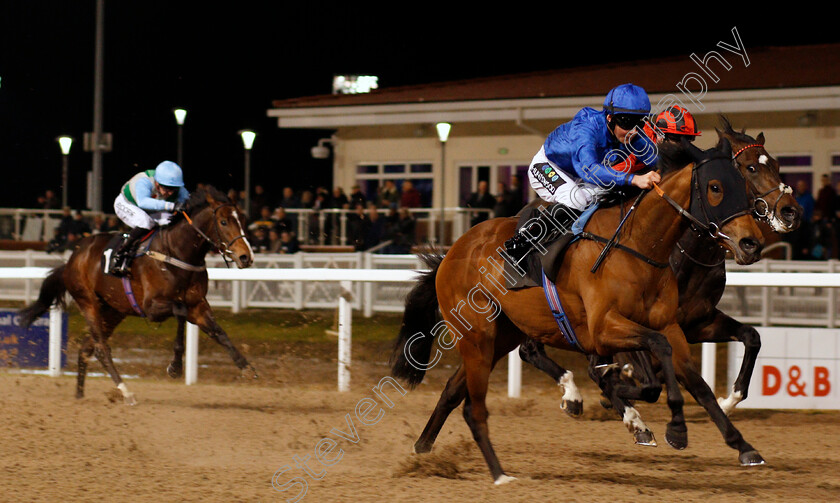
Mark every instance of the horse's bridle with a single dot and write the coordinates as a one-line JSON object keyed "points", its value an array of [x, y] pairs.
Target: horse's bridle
{"points": [[759, 198], [221, 248], [712, 227]]}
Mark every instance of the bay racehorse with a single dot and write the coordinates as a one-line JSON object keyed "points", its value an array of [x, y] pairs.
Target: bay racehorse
{"points": [[170, 279], [628, 304], [699, 265]]}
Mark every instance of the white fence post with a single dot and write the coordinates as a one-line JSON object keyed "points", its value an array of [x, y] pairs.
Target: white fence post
{"points": [[514, 374], [54, 352], [708, 364], [345, 320], [191, 355], [367, 287]]}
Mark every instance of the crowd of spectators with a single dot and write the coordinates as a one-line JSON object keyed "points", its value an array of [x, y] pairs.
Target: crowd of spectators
{"points": [[73, 226], [817, 238], [383, 220]]}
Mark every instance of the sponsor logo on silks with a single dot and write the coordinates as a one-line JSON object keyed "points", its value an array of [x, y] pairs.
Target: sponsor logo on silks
{"points": [[542, 179], [546, 169], [554, 178], [552, 173]]}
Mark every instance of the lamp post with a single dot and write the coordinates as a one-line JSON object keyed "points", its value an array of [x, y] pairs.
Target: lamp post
{"points": [[180, 117], [248, 142], [443, 129], [64, 142]]}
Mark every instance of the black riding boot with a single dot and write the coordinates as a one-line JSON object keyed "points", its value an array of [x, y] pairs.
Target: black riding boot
{"points": [[125, 253], [517, 246], [520, 244]]}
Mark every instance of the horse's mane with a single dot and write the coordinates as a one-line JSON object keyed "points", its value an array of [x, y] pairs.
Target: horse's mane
{"points": [[673, 157], [198, 201]]}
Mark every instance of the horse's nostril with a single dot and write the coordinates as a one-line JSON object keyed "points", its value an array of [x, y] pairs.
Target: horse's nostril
{"points": [[749, 245], [789, 214], [245, 259]]}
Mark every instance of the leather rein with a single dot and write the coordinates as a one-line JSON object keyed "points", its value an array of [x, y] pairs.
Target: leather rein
{"points": [[710, 227], [218, 245]]}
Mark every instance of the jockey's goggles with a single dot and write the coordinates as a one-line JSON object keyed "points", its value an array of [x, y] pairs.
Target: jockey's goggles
{"points": [[628, 121]]}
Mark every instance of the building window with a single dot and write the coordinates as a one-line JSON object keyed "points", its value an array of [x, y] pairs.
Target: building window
{"points": [[371, 177], [835, 171], [496, 176], [795, 169]]}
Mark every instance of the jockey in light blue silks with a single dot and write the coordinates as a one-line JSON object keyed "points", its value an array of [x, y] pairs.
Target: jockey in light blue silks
{"points": [[147, 200], [573, 165]]}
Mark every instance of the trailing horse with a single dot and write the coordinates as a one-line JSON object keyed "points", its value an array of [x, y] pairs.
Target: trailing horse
{"points": [[169, 279], [628, 304]]}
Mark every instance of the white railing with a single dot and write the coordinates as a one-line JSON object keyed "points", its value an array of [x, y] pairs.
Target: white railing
{"points": [[238, 295], [788, 305], [345, 278]]}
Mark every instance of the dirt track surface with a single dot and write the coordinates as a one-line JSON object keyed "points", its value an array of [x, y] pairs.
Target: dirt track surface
{"points": [[224, 439]]}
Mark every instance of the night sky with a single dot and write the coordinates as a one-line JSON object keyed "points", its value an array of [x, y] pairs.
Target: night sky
{"points": [[226, 65]]}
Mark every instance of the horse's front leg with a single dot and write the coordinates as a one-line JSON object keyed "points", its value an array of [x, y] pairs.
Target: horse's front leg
{"points": [[176, 367], [720, 327], [694, 383], [200, 314]]}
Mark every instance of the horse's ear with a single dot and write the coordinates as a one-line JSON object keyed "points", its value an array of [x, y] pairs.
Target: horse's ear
{"points": [[209, 198], [725, 147], [760, 138], [725, 124]]}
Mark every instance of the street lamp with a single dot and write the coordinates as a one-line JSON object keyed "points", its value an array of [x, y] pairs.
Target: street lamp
{"points": [[64, 142], [443, 129], [248, 137], [180, 117]]}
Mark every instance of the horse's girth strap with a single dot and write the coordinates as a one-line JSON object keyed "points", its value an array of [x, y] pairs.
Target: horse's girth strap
{"points": [[129, 293], [619, 246], [174, 261]]}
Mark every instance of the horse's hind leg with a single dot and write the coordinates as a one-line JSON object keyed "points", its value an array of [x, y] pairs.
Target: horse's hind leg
{"points": [[110, 319], [533, 352], [202, 315], [176, 368], [610, 382], [101, 320], [475, 414], [451, 397], [456, 387], [85, 352]]}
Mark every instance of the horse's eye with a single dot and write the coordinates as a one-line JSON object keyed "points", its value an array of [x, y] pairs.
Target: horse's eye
{"points": [[751, 168], [715, 188], [223, 222]]}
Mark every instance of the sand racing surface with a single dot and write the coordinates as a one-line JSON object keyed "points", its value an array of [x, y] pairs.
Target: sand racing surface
{"points": [[224, 439]]}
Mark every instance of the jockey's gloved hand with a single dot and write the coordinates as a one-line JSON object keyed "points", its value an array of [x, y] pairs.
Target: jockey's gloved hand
{"points": [[179, 207]]}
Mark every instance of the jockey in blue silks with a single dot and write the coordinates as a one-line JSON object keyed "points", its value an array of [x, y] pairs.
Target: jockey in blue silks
{"points": [[147, 200], [573, 165]]}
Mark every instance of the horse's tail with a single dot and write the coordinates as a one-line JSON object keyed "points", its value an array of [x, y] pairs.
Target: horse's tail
{"points": [[52, 291], [409, 361]]}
